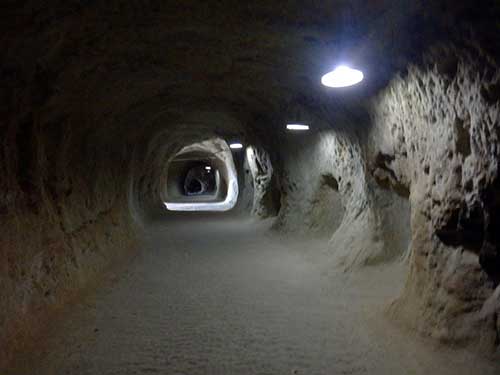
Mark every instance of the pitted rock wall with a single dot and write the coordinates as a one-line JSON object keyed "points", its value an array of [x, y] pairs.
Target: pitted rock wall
{"points": [[326, 191], [436, 133]]}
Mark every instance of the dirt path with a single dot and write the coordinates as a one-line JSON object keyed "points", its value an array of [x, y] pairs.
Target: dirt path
{"points": [[226, 297]]}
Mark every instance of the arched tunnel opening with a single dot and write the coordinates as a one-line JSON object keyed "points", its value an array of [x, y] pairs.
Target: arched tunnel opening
{"points": [[195, 187], [202, 177]]}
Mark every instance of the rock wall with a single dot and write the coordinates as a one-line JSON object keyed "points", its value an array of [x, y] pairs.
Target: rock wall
{"points": [[245, 184], [265, 195], [419, 183], [326, 191], [65, 218], [436, 134]]}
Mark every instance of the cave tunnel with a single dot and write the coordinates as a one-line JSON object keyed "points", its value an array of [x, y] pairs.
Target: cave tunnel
{"points": [[202, 177], [265, 187]]}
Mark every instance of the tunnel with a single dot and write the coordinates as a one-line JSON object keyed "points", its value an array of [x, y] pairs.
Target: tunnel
{"points": [[265, 187], [202, 177]]}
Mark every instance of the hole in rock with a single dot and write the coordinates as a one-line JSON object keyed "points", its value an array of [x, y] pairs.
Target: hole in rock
{"points": [[201, 181]]}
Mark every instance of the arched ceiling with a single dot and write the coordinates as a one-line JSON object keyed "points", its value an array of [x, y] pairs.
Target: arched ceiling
{"points": [[124, 63]]}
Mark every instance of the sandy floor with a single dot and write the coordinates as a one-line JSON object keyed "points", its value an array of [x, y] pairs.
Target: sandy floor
{"points": [[223, 296]]}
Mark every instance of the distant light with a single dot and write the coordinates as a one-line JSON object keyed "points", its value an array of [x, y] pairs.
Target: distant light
{"points": [[208, 168], [342, 76], [297, 127], [236, 146]]}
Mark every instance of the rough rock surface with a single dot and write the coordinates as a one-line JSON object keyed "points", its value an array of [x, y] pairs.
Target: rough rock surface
{"points": [[265, 200], [432, 150], [326, 189], [437, 131], [64, 219]]}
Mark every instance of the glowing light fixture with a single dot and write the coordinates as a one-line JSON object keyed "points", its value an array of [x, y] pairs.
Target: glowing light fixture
{"points": [[297, 127], [236, 146], [208, 168], [342, 76]]}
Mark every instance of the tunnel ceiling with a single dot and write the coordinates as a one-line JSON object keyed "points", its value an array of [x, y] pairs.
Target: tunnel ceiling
{"points": [[126, 62]]}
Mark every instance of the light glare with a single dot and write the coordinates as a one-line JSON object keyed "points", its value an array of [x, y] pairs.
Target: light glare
{"points": [[342, 76], [297, 127], [236, 146]]}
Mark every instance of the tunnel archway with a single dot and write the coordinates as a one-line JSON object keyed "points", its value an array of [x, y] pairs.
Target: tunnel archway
{"points": [[202, 177]]}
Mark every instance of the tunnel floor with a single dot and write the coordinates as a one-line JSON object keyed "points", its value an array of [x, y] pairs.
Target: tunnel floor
{"points": [[216, 295]]}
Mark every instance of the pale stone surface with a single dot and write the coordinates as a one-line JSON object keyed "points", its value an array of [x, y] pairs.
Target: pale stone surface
{"points": [[432, 150], [355, 213], [260, 166], [439, 133]]}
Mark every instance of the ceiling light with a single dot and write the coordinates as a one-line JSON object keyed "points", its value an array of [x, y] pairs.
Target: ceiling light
{"points": [[208, 168], [236, 146], [297, 127], [342, 76]]}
